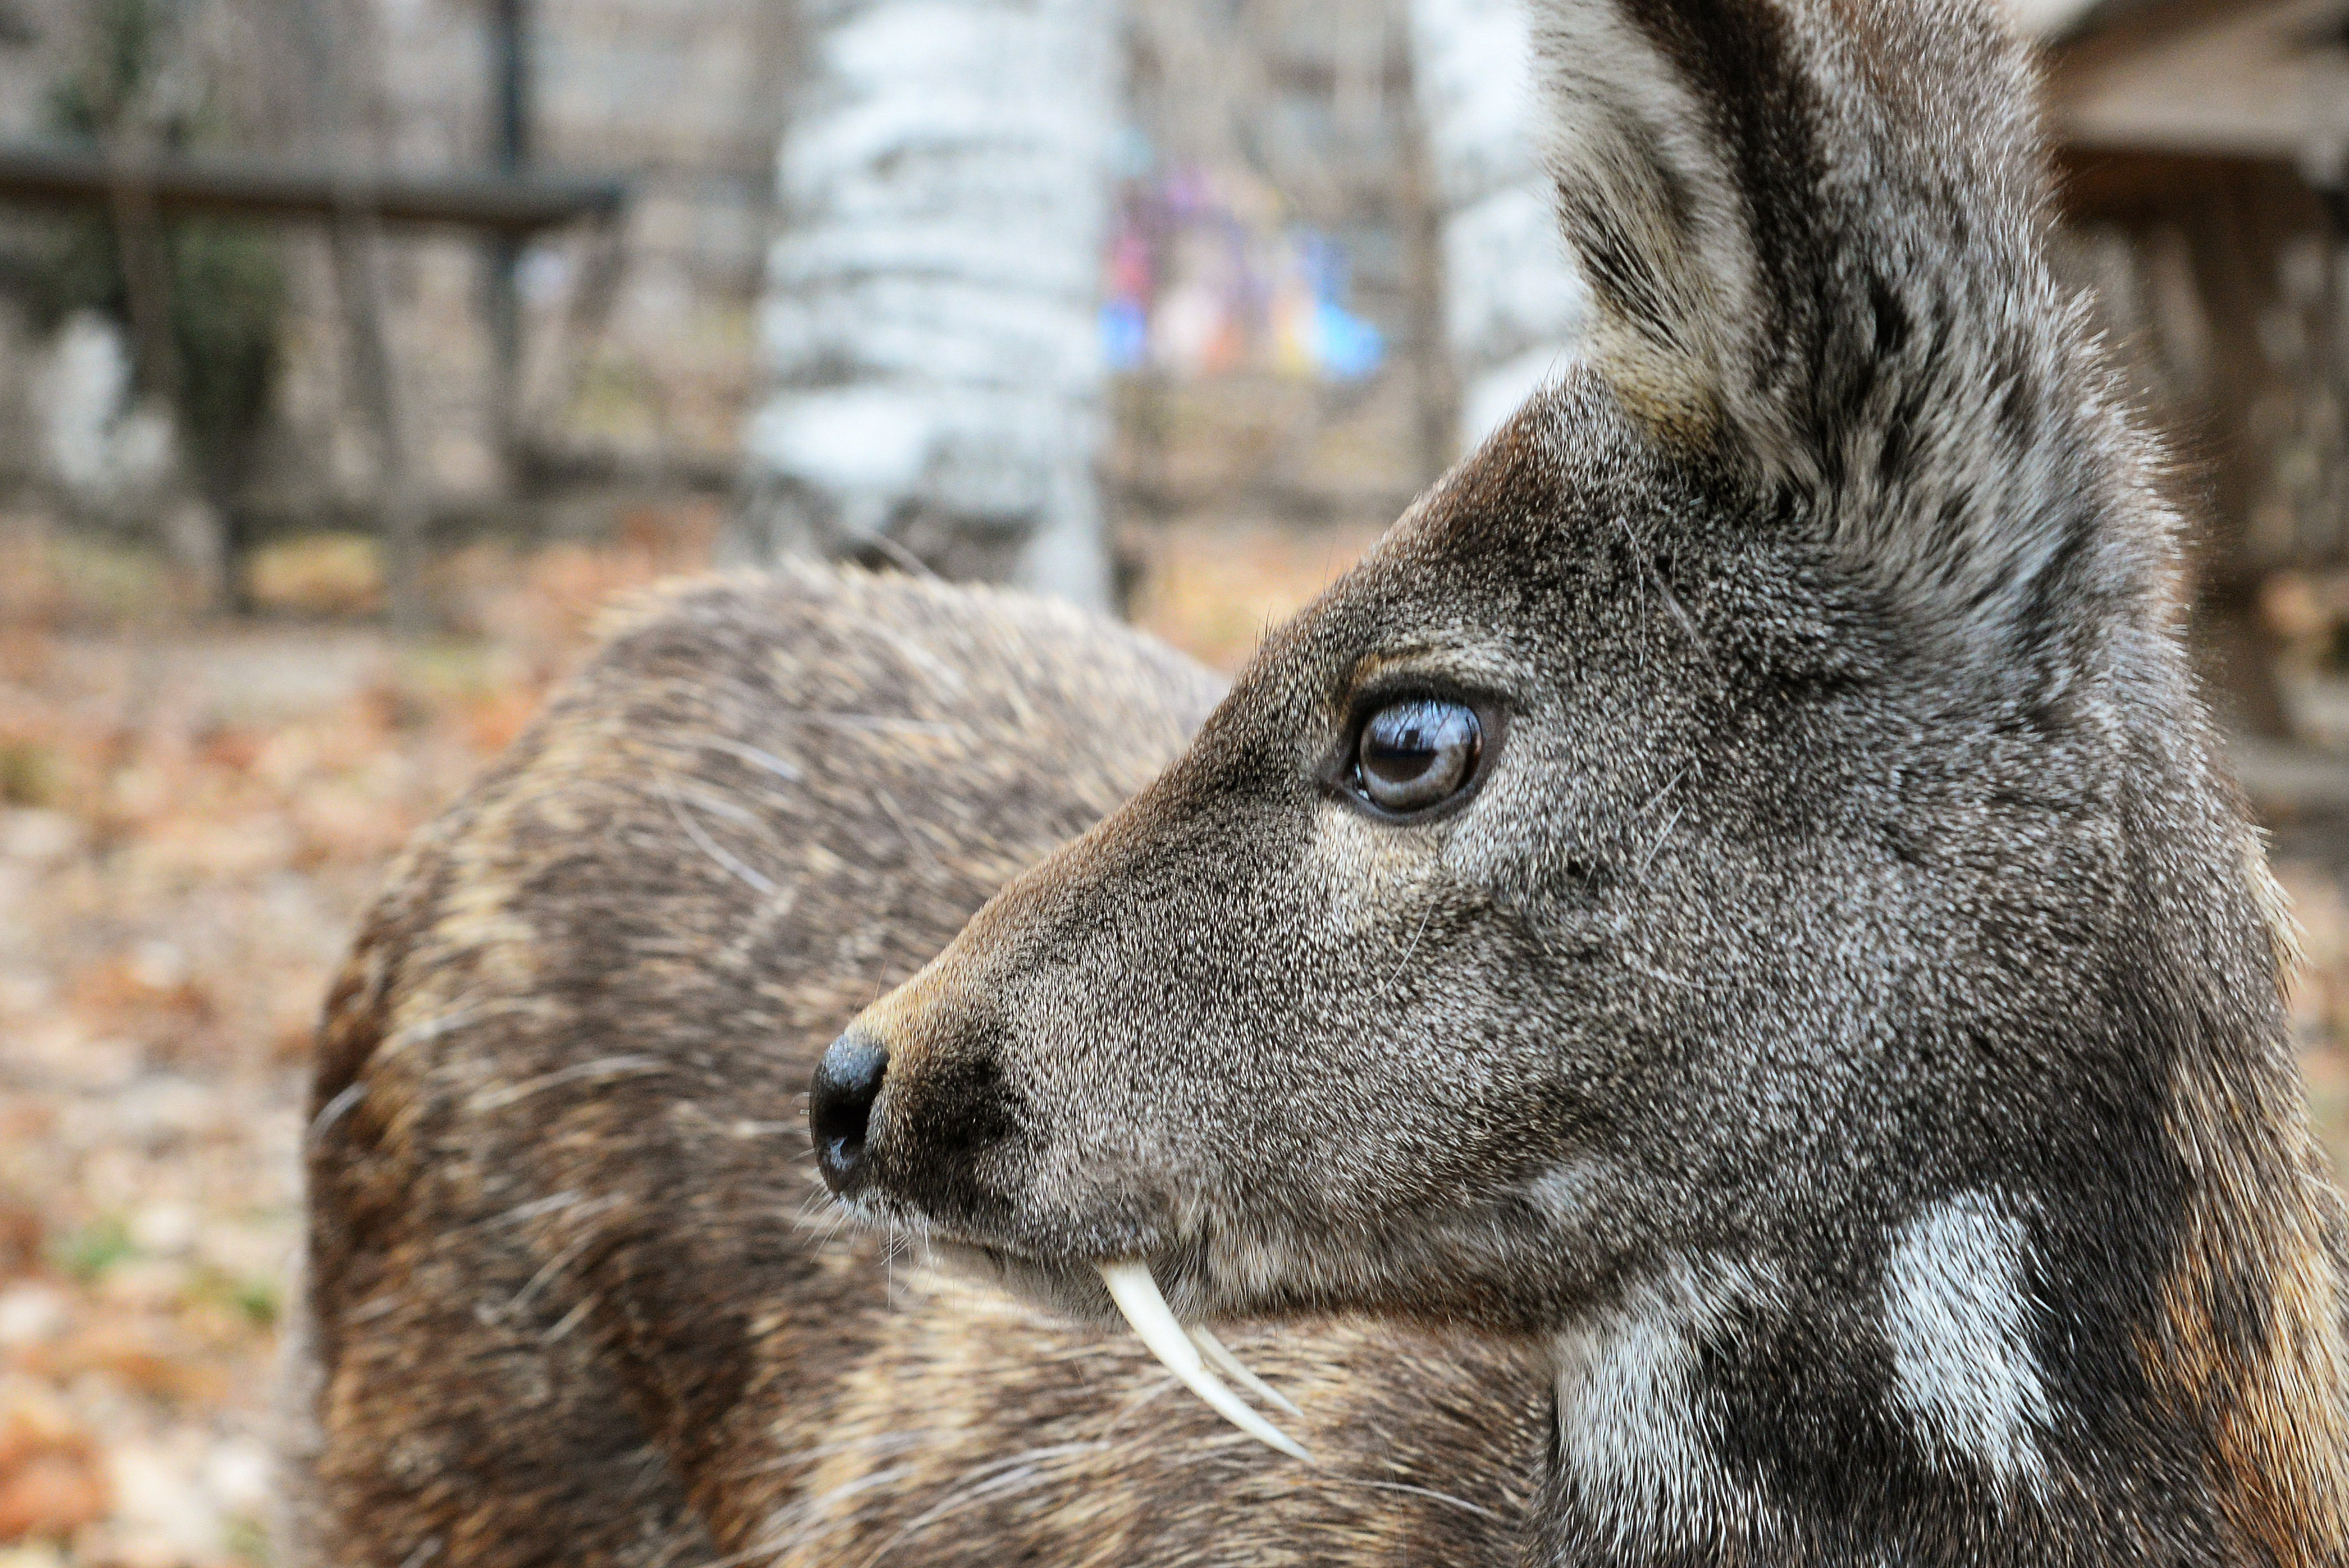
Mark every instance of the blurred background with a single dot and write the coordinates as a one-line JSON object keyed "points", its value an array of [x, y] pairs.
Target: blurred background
{"points": [[353, 352]]}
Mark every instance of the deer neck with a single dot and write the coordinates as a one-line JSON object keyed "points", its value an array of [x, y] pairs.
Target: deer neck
{"points": [[1994, 1378]]}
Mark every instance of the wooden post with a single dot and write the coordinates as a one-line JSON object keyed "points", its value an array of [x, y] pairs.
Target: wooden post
{"points": [[359, 286], [510, 93], [354, 241], [2233, 256], [549, 382], [147, 282], [1434, 381]]}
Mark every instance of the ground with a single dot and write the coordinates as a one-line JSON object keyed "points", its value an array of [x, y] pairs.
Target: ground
{"points": [[193, 815]]}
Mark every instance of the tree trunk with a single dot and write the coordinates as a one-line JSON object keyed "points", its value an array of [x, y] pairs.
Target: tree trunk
{"points": [[937, 386], [1513, 304]]}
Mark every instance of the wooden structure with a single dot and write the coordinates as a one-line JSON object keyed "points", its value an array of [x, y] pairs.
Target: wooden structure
{"points": [[2204, 147], [507, 203]]}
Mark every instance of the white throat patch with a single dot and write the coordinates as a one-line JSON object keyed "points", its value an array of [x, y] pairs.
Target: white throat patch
{"points": [[1958, 1320], [1634, 1429]]}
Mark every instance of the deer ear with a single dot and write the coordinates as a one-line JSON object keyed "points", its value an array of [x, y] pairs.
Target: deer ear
{"points": [[1771, 199], [1648, 195]]}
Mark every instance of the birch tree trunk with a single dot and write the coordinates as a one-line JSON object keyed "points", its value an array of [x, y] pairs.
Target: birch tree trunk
{"points": [[1513, 302], [939, 394]]}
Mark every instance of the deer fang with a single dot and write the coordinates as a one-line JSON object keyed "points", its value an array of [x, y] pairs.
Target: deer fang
{"points": [[1137, 1296], [1224, 1361]]}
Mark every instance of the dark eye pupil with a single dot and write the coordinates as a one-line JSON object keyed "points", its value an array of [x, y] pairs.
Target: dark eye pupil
{"points": [[1416, 753]]}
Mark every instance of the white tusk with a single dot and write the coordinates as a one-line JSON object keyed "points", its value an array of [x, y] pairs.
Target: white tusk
{"points": [[1136, 1295], [1231, 1366]]}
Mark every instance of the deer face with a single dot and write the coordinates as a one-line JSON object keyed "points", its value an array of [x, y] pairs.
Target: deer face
{"points": [[1371, 994]]}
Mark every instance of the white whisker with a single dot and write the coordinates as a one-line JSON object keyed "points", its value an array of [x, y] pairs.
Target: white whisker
{"points": [[997, 1478], [758, 881], [1426, 1491]]}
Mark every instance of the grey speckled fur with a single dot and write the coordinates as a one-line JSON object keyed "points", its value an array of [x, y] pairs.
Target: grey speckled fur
{"points": [[1823, 1099]]}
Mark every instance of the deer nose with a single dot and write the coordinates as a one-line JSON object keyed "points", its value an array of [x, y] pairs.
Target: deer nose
{"points": [[839, 1105]]}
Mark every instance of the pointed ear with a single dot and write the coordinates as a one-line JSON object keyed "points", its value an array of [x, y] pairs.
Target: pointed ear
{"points": [[1776, 202], [1648, 194]]}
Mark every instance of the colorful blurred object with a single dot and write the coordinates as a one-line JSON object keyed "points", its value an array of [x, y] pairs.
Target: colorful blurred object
{"points": [[1314, 333], [1203, 277]]}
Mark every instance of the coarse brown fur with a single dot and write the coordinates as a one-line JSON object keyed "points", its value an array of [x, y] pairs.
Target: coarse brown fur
{"points": [[1815, 1093]]}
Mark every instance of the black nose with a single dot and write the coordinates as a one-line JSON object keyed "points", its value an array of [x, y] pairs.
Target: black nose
{"points": [[840, 1104]]}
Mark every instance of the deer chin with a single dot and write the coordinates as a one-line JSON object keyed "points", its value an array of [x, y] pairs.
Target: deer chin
{"points": [[1065, 1289]]}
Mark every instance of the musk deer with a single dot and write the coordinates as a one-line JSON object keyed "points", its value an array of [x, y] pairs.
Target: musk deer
{"points": [[1708, 1004]]}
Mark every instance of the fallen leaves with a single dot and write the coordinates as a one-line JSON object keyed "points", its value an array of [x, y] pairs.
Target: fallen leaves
{"points": [[53, 1478], [192, 815]]}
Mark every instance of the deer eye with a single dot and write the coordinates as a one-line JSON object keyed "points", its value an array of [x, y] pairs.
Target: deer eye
{"points": [[1416, 753]]}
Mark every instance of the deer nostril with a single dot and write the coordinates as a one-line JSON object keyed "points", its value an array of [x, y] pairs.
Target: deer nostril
{"points": [[839, 1105]]}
